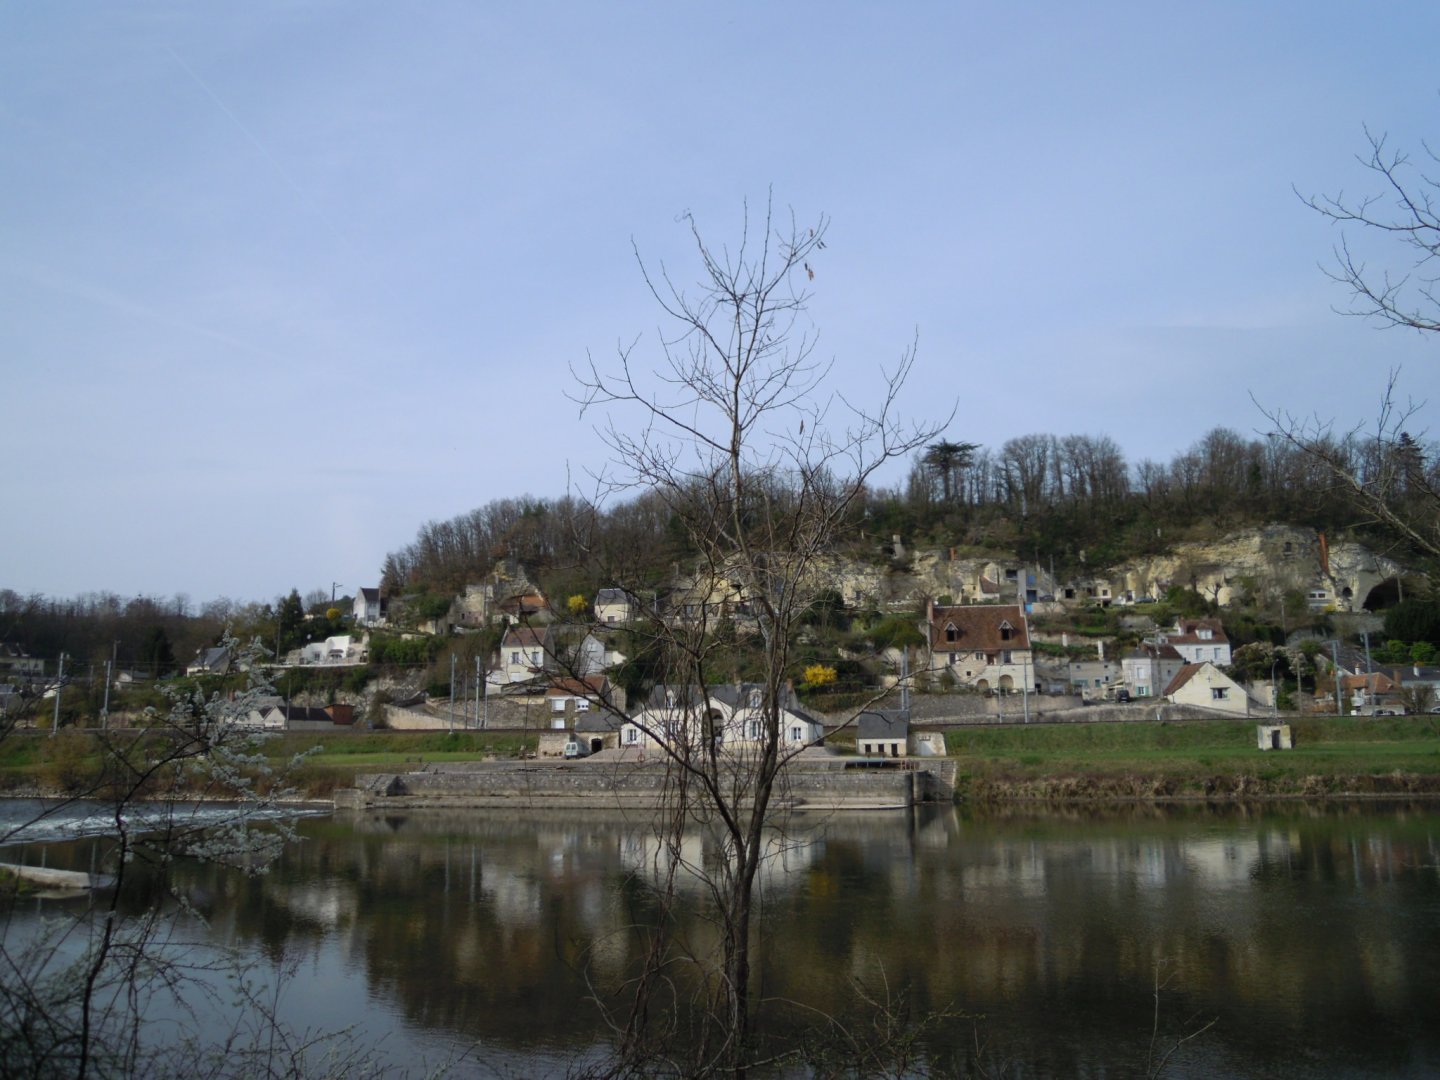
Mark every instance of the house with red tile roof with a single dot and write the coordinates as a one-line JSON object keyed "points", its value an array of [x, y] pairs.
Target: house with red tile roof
{"points": [[983, 646]]}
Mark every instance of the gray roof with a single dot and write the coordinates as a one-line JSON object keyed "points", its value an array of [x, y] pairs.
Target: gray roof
{"points": [[876, 724], [597, 720]]}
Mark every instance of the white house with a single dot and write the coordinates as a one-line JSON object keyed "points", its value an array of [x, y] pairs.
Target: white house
{"points": [[525, 653], [615, 607], [733, 715], [1206, 686], [1198, 641], [341, 649], [367, 608]]}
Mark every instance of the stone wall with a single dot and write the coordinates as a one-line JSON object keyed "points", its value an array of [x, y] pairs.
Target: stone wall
{"points": [[586, 784]]}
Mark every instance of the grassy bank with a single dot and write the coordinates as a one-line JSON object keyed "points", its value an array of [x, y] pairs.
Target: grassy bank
{"points": [[1197, 758], [74, 762]]}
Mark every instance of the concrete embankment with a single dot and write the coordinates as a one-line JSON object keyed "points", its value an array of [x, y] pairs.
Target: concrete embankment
{"points": [[839, 784]]}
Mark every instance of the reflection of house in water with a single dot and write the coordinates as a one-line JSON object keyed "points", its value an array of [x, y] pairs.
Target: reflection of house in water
{"points": [[786, 855]]}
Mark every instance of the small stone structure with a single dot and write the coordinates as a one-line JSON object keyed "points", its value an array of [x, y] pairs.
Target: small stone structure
{"points": [[1274, 737]]}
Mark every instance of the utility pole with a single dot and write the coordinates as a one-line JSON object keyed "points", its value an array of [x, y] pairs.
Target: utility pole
{"points": [[59, 692], [452, 691], [333, 586], [105, 708], [1335, 660], [477, 691]]}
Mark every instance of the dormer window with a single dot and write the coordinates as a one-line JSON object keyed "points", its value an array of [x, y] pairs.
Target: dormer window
{"points": [[1205, 635], [1006, 631], [951, 634], [754, 699]]}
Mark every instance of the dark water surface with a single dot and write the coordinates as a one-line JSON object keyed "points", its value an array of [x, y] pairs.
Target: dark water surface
{"points": [[1311, 934]]}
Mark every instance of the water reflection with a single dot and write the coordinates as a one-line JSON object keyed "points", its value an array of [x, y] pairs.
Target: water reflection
{"points": [[1312, 933]]}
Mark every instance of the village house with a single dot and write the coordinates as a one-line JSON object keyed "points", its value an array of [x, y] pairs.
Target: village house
{"points": [[568, 698], [1206, 686], [1364, 693], [280, 716], [733, 715], [526, 653], [1198, 640], [981, 646], [1094, 678], [341, 649], [1147, 670], [368, 609], [615, 607], [213, 661]]}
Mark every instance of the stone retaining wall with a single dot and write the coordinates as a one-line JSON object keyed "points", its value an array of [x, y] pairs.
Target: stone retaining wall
{"points": [[587, 784]]}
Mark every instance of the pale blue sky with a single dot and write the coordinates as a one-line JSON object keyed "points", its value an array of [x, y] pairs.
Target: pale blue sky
{"points": [[279, 282]]}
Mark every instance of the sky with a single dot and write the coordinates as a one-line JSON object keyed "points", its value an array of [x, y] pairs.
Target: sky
{"points": [[279, 282]]}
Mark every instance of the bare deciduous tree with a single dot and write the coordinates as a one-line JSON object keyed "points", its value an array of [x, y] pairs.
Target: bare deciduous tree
{"points": [[1405, 209], [730, 429]]}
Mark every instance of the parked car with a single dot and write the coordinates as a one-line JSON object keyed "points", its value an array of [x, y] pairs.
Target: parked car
{"points": [[576, 749], [1122, 696]]}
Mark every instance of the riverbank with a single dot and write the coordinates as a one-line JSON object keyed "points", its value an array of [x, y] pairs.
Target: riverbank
{"points": [[1335, 757]]}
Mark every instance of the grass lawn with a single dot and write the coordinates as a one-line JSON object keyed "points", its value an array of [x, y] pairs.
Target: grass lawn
{"points": [[1332, 754]]}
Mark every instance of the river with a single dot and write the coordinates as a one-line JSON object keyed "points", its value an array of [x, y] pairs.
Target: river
{"points": [[1309, 933]]}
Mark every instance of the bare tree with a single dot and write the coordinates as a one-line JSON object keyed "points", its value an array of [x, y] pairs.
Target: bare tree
{"points": [[1382, 470], [729, 428], [1405, 208]]}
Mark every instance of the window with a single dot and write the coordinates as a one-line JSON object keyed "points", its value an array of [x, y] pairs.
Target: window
{"points": [[795, 733], [952, 659], [979, 656], [632, 735], [1219, 693], [1006, 631], [951, 634], [582, 705], [514, 657], [754, 699], [754, 729], [557, 704], [535, 657], [1005, 657]]}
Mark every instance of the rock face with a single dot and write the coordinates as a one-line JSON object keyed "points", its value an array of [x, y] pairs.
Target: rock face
{"points": [[1260, 564]]}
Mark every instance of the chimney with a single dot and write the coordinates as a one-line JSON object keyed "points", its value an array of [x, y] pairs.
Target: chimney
{"points": [[1064, 640], [1100, 647]]}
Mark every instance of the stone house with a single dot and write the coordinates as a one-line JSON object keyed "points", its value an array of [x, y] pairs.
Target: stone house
{"points": [[981, 646]]}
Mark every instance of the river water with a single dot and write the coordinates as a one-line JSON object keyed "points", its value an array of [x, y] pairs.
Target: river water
{"points": [[1309, 934]]}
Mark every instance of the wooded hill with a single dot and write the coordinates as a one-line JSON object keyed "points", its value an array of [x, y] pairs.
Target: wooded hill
{"points": [[1072, 502]]}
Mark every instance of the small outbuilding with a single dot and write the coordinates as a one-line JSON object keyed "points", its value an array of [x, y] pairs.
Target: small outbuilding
{"points": [[883, 734], [1274, 737]]}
